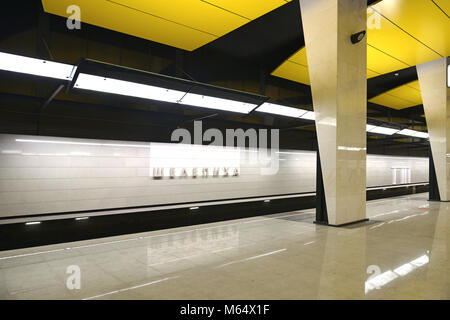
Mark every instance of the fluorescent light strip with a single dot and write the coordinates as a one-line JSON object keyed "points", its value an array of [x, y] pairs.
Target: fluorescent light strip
{"points": [[198, 100], [281, 110], [84, 143], [413, 133], [383, 130], [310, 115], [133, 89], [126, 88], [37, 67]]}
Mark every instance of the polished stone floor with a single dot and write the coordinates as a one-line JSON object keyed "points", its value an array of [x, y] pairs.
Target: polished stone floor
{"points": [[402, 253]]}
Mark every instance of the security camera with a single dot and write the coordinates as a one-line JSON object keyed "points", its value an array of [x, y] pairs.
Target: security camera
{"points": [[357, 37]]}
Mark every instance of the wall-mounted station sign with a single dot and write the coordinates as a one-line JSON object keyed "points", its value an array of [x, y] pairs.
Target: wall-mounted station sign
{"points": [[172, 161], [172, 173]]}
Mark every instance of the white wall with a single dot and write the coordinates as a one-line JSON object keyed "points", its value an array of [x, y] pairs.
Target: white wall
{"points": [[51, 175]]}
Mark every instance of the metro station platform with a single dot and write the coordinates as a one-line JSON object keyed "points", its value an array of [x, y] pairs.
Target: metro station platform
{"points": [[400, 253]]}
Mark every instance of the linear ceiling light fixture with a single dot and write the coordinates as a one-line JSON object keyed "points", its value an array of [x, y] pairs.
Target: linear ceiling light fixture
{"points": [[383, 130], [414, 133], [310, 115], [133, 89], [281, 110], [85, 81], [37, 67], [201, 101], [126, 88]]}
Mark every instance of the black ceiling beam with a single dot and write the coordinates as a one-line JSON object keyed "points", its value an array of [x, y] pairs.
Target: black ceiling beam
{"points": [[380, 84], [265, 42]]}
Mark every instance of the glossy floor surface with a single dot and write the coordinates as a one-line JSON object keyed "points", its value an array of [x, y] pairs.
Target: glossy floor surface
{"points": [[401, 253]]}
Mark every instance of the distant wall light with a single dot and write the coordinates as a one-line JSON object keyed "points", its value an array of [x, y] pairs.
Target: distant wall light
{"points": [[357, 37], [81, 218], [32, 223], [37, 67], [448, 76], [193, 208]]}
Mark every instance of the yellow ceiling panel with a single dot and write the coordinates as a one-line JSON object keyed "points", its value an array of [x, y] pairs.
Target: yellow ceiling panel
{"points": [[371, 74], [192, 13], [381, 63], [404, 96], [300, 57], [421, 19], [250, 9], [115, 17], [292, 71], [377, 64], [185, 24], [393, 41], [400, 34], [415, 85], [444, 5]]}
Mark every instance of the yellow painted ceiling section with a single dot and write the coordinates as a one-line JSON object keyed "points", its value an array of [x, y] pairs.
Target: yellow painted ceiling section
{"points": [[193, 13], [444, 5], [250, 9], [293, 71], [404, 96], [421, 19], [400, 34], [185, 24], [395, 42], [381, 63]]}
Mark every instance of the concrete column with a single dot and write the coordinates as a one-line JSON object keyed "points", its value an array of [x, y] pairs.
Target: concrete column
{"points": [[337, 70], [436, 103]]}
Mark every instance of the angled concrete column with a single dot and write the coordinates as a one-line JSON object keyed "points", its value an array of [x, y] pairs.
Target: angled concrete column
{"points": [[436, 103], [337, 70]]}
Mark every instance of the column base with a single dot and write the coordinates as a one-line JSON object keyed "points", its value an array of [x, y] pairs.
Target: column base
{"points": [[340, 225]]}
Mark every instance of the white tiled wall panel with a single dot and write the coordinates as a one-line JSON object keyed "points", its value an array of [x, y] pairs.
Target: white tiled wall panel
{"points": [[51, 175]]}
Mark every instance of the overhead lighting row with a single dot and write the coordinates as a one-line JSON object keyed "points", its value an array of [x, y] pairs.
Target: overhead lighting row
{"points": [[309, 115], [391, 131], [285, 111], [61, 71]]}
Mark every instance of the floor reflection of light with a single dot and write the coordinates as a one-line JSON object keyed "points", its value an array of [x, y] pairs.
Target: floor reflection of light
{"points": [[251, 258], [129, 288], [378, 281]]}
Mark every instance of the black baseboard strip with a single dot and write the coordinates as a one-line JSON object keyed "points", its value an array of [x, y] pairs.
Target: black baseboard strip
{"points": [[21, 235]]}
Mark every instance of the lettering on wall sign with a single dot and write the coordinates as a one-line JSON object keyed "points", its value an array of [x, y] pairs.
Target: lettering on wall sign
{"points": [[174, 173]]}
